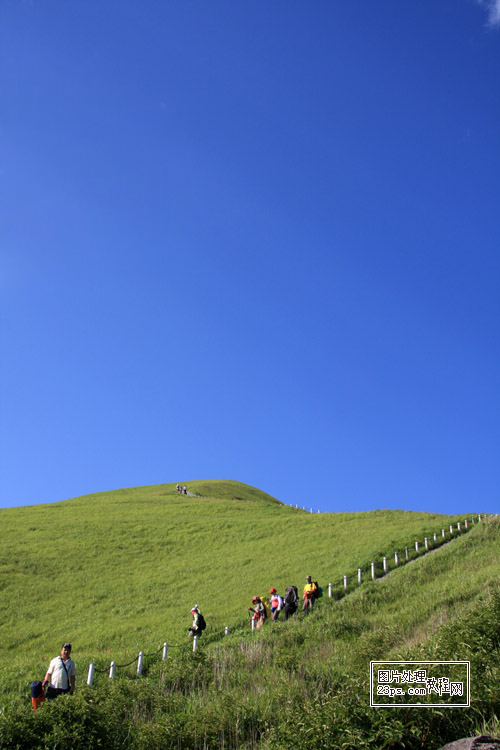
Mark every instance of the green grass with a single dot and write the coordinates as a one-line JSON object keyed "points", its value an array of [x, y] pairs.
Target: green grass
{"points": [[118, 572]]}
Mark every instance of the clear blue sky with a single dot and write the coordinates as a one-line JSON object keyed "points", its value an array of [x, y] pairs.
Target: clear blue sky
{"points": [[255, 241]]}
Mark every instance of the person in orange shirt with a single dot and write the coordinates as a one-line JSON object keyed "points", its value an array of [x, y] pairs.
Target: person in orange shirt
{"points": [[276, 604], [37, 694]]}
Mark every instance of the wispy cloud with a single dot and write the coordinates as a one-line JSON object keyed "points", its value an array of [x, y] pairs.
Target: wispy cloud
{"points": [[493, 9]]}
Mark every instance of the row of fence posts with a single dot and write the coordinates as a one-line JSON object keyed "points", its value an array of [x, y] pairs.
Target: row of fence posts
{"points": [[140, 658], [304, 507], [407, 554]]}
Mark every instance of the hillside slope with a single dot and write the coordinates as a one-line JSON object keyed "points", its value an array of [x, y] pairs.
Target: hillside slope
{"points": [[117, 572]]}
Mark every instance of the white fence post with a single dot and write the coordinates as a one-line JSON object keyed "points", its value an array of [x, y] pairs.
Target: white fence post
{"points": [[373, 571], [359, 575], [435, 537], [385, 564], [253, 624], [479, 517], [345, 583], [443, 533], [165, 650], [140, 662], [458, 526], [406, 553], [426, 541], [329, 590], [226, 630], [396, 559], [451, 529], [112, 669], [90, 678], [465, 523], [416, 547], [195, 642]]}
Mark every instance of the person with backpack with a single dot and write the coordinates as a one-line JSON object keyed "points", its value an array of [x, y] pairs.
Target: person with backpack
{"points": [[276, 604], [199, 623], [258, 612], [61, 674], [310, 594], [291, 601]]}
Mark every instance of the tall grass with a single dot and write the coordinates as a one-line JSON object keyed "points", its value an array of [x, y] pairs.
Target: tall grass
{"points": [[118, 572]]}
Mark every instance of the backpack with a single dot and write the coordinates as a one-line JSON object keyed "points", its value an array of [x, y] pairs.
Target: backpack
{"points": [[318, 591], [267, 606], [291, 595], [201, 622]]}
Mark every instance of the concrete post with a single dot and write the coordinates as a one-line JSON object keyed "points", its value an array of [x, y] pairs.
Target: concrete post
{"points": [[112, 669], [359, 575], [140, 662], [373, 571], [90, 677], [165, 649]]}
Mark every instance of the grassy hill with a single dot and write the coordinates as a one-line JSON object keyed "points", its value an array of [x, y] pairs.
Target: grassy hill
{"points": [[118, 572]]}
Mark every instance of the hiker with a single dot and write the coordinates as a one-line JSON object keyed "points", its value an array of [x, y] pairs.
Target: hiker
{"points": [[291, 601], [259, 612], [37, 694], [199, 623], [310, 592], [61, 674], [184, 490], [178, 487], [276, 604]]}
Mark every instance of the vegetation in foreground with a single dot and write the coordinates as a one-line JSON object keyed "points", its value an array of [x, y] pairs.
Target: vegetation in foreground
{"points": [[303, 683]]}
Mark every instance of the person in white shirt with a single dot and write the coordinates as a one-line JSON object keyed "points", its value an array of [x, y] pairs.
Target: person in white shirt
{"points": [[61, 674]]}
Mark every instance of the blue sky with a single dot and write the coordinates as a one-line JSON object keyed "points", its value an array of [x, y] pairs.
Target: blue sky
{"points": [[254, 241]]}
